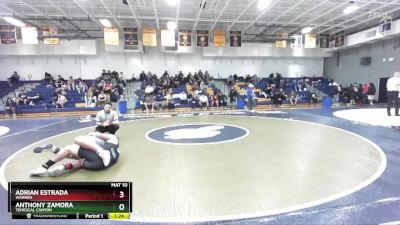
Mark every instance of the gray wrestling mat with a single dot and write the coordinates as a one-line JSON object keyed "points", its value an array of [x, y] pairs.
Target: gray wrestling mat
{"points": [[207, 168]]}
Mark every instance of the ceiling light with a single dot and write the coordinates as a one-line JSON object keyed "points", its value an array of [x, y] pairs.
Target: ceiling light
{"points": [[105, 22], [172, 2], [171, 25], [351, 8], [306, 30], [14, 21], [262, 4]]}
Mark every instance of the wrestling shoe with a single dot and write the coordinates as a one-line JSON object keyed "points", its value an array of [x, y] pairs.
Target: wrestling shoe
{"points": [[55, 171], [105, 156], [41, 171], [44, 148]]}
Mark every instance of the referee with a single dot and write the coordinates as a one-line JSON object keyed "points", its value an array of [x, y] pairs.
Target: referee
{"points": [[393, 87], [107, 120]]}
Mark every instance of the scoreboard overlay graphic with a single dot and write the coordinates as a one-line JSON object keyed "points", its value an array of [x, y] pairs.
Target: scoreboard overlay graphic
{"points": [[70, 200]]}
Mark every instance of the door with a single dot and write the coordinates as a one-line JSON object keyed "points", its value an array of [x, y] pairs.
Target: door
{"points": [[382, 90]]}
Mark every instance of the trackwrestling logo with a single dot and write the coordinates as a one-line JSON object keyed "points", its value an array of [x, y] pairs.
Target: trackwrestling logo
{"points": [[196, 134]]}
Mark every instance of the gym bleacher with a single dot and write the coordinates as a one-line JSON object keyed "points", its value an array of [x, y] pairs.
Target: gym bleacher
{"points": [[288, 85], [75, 100]]}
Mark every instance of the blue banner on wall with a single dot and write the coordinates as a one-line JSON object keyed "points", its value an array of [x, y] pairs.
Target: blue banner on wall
{"points": [[8, 34]]}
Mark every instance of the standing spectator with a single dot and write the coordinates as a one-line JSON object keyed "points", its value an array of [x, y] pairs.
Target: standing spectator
{"points": [[48, 77], [360, 95], [107, 120], [393, 88], [71, 83], [10, 108], [231, 81], [149, 98], [14, 78], [114, 98], [250, 97], [353, 93], [365, 88], [371, 93], [335, 91], [232, 97], [347, 95]]}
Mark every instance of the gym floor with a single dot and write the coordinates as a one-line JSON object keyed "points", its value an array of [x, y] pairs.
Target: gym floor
{"points": [[303, 166]]}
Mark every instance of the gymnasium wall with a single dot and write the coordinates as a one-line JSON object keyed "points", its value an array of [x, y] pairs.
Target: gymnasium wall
{"points": [[346, 68], [156, 61]]}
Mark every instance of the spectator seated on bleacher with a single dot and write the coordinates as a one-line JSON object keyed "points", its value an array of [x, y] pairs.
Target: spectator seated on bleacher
{"points": [[293, 98], [61, 100], [299, 85], [267, 93], [64, 85], [160, 101], [107, 87], [271, 78], [214, 101], [58, 88], [193, 100], [176, 81], [315, 98], [142, 76], [248, 78], [170, 101], [90, 99], [60, 78], [183, 98], [235, 77], [102, 99], [278, 96], [81, 86], [223, 100], [36, 99], [22, 98], [203, 101], [254, 79]]}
